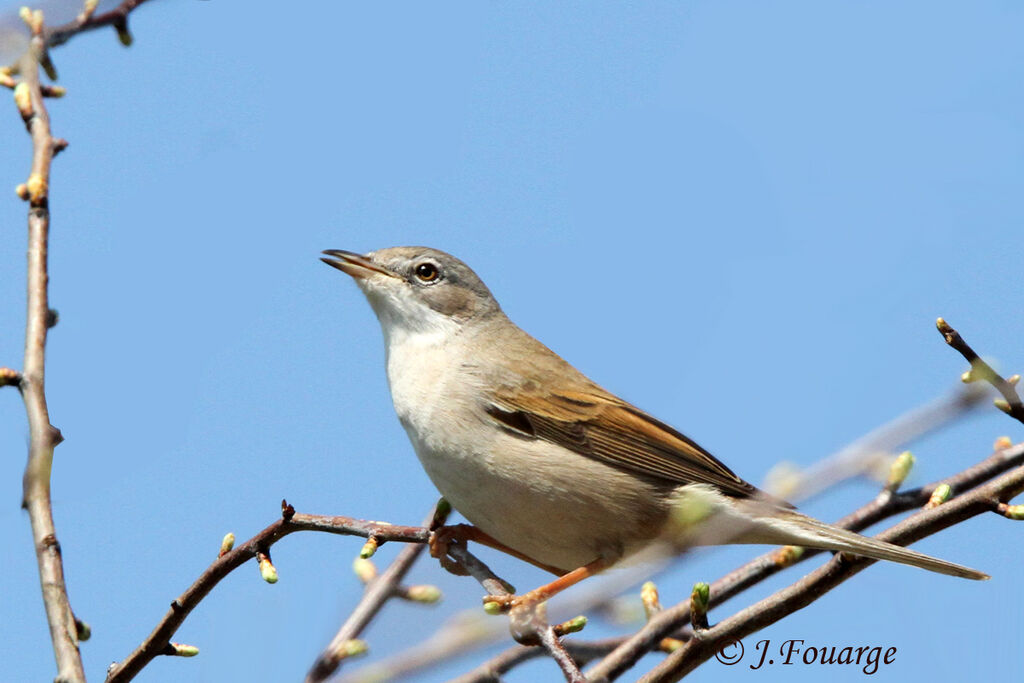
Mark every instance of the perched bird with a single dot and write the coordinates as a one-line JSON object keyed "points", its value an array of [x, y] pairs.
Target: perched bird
{"points": [[541, 460]]}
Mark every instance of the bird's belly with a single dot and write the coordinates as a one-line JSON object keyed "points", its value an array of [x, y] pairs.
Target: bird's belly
{"points": [[557, 507]]}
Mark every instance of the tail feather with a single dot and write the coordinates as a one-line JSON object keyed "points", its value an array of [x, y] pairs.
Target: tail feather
{"points": [[796, 529]]}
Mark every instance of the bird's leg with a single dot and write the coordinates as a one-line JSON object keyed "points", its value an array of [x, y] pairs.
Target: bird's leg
{"points": [[460, 533], [549, 590]]}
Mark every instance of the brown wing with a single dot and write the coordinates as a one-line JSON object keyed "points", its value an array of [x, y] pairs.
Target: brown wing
{"points": [[597, 424]]}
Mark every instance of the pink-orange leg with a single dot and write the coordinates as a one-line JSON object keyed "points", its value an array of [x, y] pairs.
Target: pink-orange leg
{"points": [[549, 590], [443, 537]]}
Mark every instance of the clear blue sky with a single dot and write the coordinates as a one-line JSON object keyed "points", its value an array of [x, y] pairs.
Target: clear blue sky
{"points": [[744, 217]]}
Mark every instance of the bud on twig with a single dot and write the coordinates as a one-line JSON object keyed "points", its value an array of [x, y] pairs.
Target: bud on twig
{"points": [[699, 605], [226, 544], [787, 555], [37, 187], [939, 496], [899, 470], [350, 648], [9, 377], [574, 625], [424, 594], [1014, 512], [82, 630], [181, 650], [23, 100], [369, 548], [649, 597], [365, 570], [267, 570]]}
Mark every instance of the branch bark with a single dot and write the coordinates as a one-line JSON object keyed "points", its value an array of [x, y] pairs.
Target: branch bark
{"points": [[43, 437], [156, 643], [668, 621], [697, 650]]}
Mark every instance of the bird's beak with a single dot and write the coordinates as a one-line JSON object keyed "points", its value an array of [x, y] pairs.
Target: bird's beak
{"points": [[353, 264]]}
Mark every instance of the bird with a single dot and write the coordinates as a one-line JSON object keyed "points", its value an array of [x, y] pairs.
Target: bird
{"points": [[543, 462]]}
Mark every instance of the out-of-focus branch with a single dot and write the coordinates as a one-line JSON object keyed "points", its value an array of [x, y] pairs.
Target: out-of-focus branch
{"points": [[985, 498], [43, 437], [88, 20], [871, 453], [159, 641], [378, 591], [1010, 403], [672, 619], [471, 630]]}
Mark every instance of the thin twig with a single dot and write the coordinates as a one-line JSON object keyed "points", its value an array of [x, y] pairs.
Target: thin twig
{"points": [[156, 642], [378, 591], [43, 437], [470, 630], [980, 370], [117, 17], [673, 618], [984, 499]]}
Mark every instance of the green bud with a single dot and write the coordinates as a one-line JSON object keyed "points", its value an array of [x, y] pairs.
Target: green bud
{"points": [[424, 594]]}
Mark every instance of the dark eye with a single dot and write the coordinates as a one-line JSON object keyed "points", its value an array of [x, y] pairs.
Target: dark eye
{"points": [[427, 272]]}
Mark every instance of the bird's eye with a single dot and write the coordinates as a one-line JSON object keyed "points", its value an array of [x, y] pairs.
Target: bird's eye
{"points": [[427, 272]]}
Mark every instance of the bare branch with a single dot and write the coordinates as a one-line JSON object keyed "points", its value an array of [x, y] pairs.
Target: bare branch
{"points": [[671, 619], [89, 20], [980, 370], [43, 437], [841, 567], [156, 642], [379, 590]]}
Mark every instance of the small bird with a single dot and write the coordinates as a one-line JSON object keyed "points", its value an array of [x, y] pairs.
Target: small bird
{"points": [[542, 461]]}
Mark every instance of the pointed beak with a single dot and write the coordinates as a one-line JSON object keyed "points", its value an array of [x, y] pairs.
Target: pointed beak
{"points": [[353, 264]]}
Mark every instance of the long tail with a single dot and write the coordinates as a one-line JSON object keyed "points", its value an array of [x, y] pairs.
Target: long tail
{"points": [[793, 528]]}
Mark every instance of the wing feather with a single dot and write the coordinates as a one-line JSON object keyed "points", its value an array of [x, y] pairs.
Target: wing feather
{"points": [[599, 425]]}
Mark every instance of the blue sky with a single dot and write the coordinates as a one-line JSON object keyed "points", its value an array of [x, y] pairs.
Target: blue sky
{"points": [[744, 217]]}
